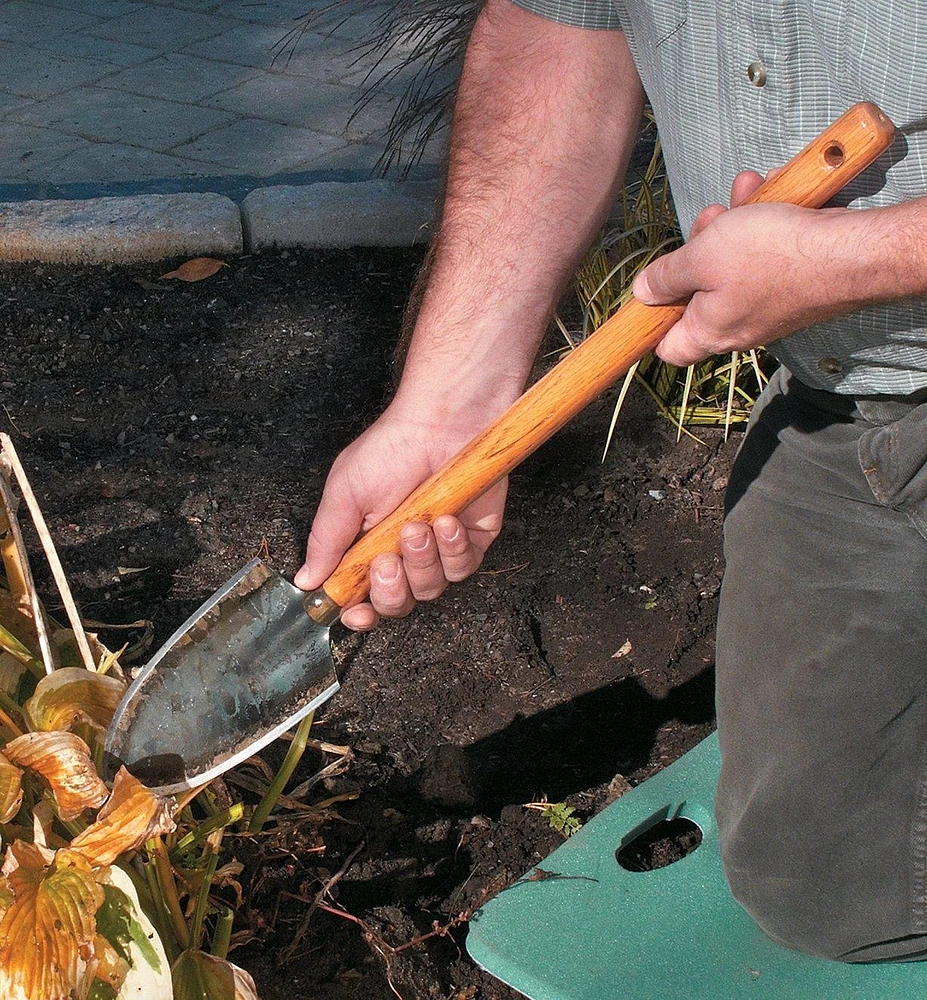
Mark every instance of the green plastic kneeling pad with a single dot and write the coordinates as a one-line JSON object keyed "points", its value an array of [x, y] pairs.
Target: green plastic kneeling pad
{"points": [[674, 933]]}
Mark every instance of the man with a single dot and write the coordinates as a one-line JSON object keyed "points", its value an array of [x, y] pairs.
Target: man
{"points": [[822, 707]]}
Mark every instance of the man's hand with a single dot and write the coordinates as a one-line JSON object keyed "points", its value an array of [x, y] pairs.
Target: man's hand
{"points": [[754, 274], [545, 120], [369, 479]]}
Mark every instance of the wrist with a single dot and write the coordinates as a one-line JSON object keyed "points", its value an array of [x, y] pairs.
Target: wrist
{"points": [[452, 400], [879, 254]]}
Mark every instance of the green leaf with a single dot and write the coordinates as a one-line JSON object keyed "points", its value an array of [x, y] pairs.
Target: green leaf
{"points": [[116, 922], [101, 991], [560, 817], [198, 976]]}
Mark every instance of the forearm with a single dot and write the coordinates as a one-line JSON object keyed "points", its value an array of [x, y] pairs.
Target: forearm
{"points": [[869, 256], [544, 124]]}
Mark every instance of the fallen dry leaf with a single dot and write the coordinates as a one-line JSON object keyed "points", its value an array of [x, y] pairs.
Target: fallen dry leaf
{"points": [[63, 760], [132, 815], [196, 269]]}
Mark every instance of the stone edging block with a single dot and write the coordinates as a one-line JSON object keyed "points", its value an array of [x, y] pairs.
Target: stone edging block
{"points": [[114, 230], [334, 214]]}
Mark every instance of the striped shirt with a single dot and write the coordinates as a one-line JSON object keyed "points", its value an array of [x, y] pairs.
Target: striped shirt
{"points": [[745, 84]]}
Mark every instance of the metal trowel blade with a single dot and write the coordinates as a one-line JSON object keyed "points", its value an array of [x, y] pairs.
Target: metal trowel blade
{"points": [[244, 668]]}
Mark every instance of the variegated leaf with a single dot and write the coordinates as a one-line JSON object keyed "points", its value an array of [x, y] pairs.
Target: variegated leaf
{"points": [[71, 695], [133, 935], [63, 760], [131, 816], [47, 932]]}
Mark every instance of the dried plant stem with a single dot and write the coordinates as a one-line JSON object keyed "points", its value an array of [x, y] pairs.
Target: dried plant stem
{"points": [[15, 571], [10, 644], [287, 954], [18, 572], [51, 553], [10, 724]]}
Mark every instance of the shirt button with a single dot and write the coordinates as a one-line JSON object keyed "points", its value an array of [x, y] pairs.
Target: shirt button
{"points": [[756, 74], [830, 366]]}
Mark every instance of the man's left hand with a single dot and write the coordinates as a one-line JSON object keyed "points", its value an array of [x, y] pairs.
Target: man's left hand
{"points": [[750, 275]]}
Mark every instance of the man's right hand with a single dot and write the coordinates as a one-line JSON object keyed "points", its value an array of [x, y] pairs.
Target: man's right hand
{"points": [[368, 480], [545, 119]]}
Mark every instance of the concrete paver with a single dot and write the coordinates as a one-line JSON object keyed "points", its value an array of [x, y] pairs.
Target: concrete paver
{"points": [[384, 213], [175, 73], [142, 227], [253, 145], [128, 97]]}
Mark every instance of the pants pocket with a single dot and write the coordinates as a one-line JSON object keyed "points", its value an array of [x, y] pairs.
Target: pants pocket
{"points": [[893, 458]]}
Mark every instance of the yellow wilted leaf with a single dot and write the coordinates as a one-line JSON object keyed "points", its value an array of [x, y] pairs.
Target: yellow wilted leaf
{"points": [[14, 619], [47, 931], [196, 269], [63, 760], [132, 815], [72, 695], [11, 789], [198, 976]]}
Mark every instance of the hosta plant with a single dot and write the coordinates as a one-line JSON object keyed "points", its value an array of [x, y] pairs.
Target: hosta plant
{"points": [[107, 891]]}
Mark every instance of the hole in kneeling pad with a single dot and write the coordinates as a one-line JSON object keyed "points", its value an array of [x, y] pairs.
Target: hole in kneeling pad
{"points": [[661, 844]]}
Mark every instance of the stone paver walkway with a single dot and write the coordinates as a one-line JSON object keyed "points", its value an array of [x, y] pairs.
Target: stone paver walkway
{"points": [[102, 97]]}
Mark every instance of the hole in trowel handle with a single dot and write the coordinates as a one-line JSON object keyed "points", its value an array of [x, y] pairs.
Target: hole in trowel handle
{"points": [[661, 841], [834, 154]]}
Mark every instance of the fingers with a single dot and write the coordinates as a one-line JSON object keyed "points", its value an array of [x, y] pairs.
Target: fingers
{"points": [[704, 217], [428, 560], [745, 183], [682, 347]]}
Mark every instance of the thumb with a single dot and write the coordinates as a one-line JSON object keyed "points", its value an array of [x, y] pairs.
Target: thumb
{"points": [[665, 281], [336, 524]]}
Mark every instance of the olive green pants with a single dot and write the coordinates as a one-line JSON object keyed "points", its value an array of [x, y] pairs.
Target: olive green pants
{"points": [[822, 674]]}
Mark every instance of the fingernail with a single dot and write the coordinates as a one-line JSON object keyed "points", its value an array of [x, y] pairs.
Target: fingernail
{"points": [[448, 532], [302, 577], [641, 288], [387, 569], [416, 542]]}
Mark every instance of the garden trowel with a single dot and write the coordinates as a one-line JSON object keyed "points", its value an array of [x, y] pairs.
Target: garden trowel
{"points": [[255, 658]]}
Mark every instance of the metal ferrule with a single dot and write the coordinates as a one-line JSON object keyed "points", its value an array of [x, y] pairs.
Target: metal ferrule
{"points": [[321, 608]]}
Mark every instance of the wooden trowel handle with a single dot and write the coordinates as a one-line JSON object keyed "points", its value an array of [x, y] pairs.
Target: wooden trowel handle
{"points": [[810, 179]]}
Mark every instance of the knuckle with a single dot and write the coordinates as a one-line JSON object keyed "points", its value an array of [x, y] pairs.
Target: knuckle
{"points": [[459, 569], [393, 607], [429, 593]]}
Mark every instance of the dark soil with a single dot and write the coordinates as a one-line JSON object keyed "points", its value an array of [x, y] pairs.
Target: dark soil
{"points": [[173, 431]]}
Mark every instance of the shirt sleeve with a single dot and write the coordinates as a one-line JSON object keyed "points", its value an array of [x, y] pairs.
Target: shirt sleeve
{"points": [[596, 14]]}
